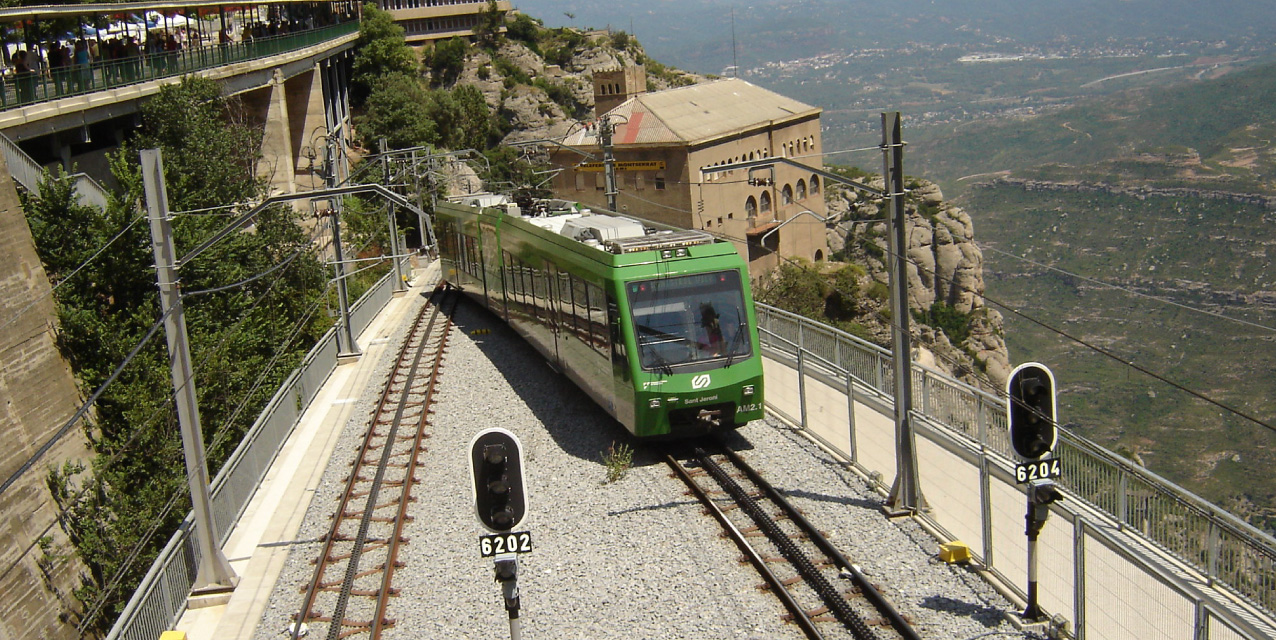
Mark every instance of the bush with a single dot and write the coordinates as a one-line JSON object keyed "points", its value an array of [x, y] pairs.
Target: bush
{"points": [[511, 71], [525, 29], [954, 324], [620, 40], [561, 95], [448, 60]]}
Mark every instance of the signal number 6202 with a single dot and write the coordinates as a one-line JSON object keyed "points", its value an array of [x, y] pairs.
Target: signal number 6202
{"points": [[520, 542]]}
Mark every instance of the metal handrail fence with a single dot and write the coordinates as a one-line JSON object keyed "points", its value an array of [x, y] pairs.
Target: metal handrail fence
{"points": [[20, 91], [28, 173], [1221, 547], [161, 597]]}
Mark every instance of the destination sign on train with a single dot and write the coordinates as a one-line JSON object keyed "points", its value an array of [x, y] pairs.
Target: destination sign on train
{"points": [[626, 165]]}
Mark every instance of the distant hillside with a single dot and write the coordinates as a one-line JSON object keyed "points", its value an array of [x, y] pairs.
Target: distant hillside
{"points": [[697, 34], [1141, 226], [1228, 124]]}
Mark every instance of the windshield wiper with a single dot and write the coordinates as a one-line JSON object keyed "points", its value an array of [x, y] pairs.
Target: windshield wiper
{"points": [[741, 329]]}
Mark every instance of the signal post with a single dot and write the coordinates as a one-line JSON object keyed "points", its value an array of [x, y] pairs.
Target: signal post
{"points": [[500, 504], [1030, 408]]}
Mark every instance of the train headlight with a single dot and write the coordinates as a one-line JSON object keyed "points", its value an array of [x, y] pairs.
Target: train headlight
{"points": [[654, 403], [747, 390], [666, 254]]}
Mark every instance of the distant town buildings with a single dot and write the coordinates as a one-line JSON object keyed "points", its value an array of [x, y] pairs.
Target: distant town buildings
{"points": [[429, 20], [666, 144]]}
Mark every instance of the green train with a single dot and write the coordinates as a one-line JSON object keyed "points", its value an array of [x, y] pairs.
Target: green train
{"points": [[655, 324]]}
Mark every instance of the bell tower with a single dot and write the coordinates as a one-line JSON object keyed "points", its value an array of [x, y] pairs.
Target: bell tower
{"points": [[614, 86]]}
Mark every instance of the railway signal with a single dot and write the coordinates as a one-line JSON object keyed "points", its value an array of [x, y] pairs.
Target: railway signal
{"points": [[1030, 410], [500, 502], [496, 466]]}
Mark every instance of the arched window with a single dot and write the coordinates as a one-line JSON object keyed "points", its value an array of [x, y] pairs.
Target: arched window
{"points": [[815, 185], [751, 207], [801, 189], [765, 202], [819, 255], [786, 194], [750, 155]]}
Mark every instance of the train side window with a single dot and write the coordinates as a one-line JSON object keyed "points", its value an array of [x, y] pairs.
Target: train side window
{"points": [[597, 318], [565, 305], [619, 356], [538, 291], [529, 298], [580, 309]]}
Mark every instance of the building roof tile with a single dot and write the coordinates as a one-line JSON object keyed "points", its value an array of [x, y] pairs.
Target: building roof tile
{"points": [[696, 113]]}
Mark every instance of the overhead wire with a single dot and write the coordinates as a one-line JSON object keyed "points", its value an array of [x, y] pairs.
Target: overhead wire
{"points": [[1096, 348], [218, 436], [1140, 294]]}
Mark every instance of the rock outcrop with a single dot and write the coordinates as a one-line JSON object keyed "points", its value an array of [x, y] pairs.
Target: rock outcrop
{"points": [[513, 80], [944, 266]]}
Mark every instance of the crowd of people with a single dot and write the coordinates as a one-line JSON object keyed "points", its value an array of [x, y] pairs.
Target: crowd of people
{"points": [[68, 67]]}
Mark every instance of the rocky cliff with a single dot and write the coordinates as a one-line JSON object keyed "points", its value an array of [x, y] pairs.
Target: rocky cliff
{"points": [[541, 100], [945, 268]]}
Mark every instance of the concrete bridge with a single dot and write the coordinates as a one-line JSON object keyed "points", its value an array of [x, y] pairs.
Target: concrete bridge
{"points": [[293, 85]]}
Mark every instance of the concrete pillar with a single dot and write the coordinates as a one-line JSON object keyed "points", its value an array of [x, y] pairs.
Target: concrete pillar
{"points": [[306, 122], [38, 395], [278, 155]]}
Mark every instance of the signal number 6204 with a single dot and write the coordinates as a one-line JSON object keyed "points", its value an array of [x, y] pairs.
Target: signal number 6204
{"points": [[1037, 470], [519, 542]]}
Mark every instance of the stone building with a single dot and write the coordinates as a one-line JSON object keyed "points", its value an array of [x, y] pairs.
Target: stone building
{"points": [[430, 20], [665, 142]]}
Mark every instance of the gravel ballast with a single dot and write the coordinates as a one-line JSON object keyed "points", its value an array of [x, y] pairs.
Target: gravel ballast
{"points": [[635, 558]]}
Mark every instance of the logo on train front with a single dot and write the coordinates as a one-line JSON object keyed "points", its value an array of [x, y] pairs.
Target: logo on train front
{"points": [[700, 381]]}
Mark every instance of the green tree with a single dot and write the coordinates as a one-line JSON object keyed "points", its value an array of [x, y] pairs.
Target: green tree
{"points": [[487, 29], [447, 61], [399, 110], [527, 30], [244, 339], [795, 287], [462, 117], [380, 51]]}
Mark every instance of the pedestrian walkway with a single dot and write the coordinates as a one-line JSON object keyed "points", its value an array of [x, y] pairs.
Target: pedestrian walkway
{"points": [[34, 88], [266, 532]]}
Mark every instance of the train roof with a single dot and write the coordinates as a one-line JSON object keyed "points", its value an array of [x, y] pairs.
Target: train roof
{"points": [[609, 237]]}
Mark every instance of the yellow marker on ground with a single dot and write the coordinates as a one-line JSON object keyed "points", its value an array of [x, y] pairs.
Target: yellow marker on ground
{"points": [[955, 551]]}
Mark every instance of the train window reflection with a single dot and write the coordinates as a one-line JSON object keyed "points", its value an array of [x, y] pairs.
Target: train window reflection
{"points": [[688, 319]]}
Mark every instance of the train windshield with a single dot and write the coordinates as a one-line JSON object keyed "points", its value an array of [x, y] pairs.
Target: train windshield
{"points": [[689, 319]]}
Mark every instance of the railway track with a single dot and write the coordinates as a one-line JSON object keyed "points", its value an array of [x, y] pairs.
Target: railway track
{"points": [[351, 588], [825, 595]]}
